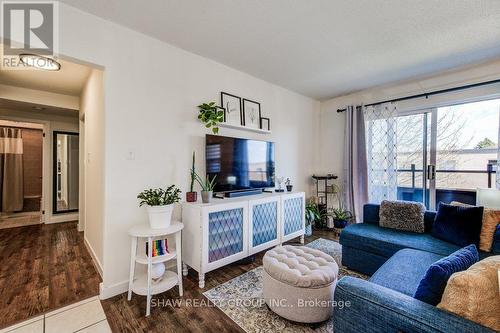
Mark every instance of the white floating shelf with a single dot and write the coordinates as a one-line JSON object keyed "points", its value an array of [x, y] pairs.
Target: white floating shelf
{"points": [[239, 127]]}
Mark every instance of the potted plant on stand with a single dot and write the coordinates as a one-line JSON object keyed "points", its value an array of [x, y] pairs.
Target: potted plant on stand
{"points": [[312, 215], [160, 205], [207, 188], [192, 196]]}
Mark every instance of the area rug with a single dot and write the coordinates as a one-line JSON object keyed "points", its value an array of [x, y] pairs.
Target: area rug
{"points": [[241, 298]]}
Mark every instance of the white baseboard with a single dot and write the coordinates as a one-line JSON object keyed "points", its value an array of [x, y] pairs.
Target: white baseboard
{"points": [[113, 290], [96, 261], [122, 287]]}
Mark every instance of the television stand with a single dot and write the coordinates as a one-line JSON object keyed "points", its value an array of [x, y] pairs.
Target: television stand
{"points": [[243, 193]]}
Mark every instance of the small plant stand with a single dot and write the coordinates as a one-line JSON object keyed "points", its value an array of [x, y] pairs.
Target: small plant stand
{"points": [[143, 284], [323, 189]]}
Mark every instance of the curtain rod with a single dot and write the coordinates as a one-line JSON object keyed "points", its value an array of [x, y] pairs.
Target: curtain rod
{"points": [[437, 92]]}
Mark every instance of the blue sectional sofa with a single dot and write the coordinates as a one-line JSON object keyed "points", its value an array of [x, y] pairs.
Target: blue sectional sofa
{"points": [[366, 246], [396, 261]]}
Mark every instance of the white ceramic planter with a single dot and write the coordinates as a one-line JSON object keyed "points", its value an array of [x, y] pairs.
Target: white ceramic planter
{"points": [[160, 216]]}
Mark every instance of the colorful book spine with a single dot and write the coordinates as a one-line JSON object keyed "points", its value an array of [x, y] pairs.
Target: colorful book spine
{"points": [[160, 247]]}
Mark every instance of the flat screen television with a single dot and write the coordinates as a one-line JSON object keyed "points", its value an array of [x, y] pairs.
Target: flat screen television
{"points": [[239, 164]]}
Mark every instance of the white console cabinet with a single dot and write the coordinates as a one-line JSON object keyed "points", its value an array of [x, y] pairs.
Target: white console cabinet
{"points": [[230, 229]]}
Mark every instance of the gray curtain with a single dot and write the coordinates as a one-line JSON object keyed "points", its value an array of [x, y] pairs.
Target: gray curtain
{"points": [[355, 163], [11, 170]]}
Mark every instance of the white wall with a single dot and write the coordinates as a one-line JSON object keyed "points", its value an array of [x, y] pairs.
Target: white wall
{"points": [[332, 123], [151, 92], [92, 163], [51, 123]]}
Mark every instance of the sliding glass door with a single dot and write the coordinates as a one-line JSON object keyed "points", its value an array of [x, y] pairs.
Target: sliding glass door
{"points": [[412, 157], [444, 154], [466, 150]]}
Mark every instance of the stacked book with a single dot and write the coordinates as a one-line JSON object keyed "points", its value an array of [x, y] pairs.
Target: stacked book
{"points": [[160, 247]]}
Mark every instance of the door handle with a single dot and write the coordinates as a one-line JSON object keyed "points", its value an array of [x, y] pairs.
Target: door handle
{"points": [[431, 172]]}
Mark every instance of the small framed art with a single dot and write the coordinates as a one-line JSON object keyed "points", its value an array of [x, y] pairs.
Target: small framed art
{"points": [[232, 106], [251, 114], [265, 123]]}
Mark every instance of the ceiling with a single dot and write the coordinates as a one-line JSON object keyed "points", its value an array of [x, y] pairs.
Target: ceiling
{"points": [[32, 107], [68, 81], [320, 48]]}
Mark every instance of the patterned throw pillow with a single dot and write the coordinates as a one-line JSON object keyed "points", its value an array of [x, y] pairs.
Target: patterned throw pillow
{"points": [[474, 294], [402, 215], [491, 218]]}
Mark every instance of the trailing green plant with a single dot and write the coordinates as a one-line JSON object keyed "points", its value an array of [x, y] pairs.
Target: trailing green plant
{"points": [[341, 214], [193, 175], [159, 196], [206, 184], [312, 211], [211, 115]]}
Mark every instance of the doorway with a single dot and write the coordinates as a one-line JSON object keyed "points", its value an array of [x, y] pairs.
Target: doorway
{"points": [[21, 174], [445, 154]]}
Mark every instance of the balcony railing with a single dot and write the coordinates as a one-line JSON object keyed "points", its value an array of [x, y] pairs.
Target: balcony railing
{"points": [[490, 171], [415, 193]]}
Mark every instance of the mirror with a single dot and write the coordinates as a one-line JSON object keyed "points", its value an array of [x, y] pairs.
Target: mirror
{"points": [[66, 179]]}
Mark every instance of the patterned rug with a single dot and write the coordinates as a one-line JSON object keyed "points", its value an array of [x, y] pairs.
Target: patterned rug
{"points": [[241, 298]]}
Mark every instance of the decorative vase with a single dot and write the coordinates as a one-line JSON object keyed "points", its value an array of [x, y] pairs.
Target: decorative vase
{"points": [[191, 196], [308, 231], [160, 216], [289, 188], [206, 196]]}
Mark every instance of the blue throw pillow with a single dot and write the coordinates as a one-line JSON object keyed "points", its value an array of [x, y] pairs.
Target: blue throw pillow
{"points": [[431, 287], [458, 225]]}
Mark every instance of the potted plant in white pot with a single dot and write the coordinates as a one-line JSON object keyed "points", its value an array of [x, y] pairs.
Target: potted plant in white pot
{"points": [[207, 188], [160, 205]]}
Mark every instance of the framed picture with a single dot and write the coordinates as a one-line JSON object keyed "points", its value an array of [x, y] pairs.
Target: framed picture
{"points": [[265, 123], [232, 106], [251, 113]]}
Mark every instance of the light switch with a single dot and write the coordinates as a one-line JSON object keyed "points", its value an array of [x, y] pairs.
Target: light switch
{"points": [[130, 155]]}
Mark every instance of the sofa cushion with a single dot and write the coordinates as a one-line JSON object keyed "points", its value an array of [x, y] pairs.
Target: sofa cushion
{"points": [[371, 215], [491, 218], [385, 242], [431, 287], [458, 225], [474, 294], [404, 270], [402, 215]]}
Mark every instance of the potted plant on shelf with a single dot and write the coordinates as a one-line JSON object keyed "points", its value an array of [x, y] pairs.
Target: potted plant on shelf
{"points": [[192, 196], [312, 215], [160, 204], [211, 115], [207, 187], [289, 185]]}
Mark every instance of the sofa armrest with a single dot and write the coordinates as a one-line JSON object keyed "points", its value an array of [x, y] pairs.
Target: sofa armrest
{"points": [[496, 241], [375, 308]]}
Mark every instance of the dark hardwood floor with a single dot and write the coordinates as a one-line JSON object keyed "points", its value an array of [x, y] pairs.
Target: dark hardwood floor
{"points": [[43, 267], [124, 316]]}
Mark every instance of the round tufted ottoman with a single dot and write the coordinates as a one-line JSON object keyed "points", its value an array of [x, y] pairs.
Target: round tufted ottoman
{"points": [[298, 283]]}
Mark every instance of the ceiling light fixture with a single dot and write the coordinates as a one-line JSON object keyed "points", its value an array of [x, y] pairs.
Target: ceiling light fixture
{"points": [[40, 62]]}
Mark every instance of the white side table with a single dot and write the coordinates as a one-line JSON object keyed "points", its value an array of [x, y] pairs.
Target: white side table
{"points": [[142, 284]]}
